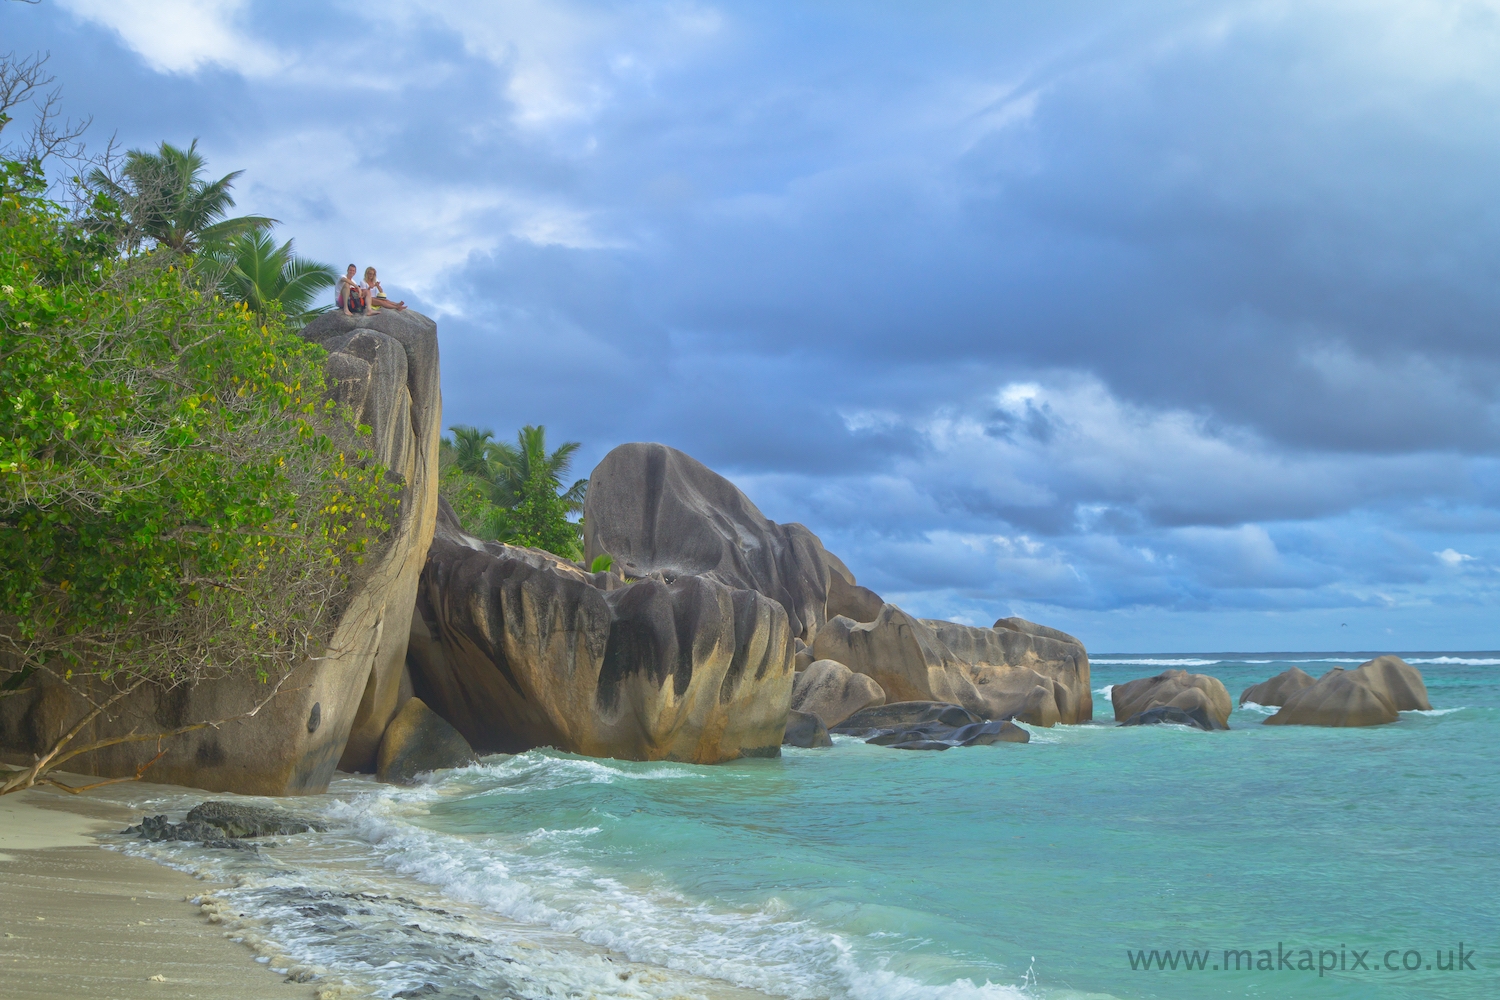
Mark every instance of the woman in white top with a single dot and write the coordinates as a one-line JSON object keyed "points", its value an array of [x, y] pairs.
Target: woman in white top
{"points": [[375, 295]]}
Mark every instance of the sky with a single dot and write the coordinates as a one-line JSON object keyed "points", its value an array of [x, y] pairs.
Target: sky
{"points": [[1172, 324]]}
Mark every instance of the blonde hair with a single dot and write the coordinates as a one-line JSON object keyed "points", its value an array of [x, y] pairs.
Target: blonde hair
{"points": [[369, 271]]}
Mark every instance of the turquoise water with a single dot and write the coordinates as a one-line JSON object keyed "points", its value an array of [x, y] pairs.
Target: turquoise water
{"points": [[1033, 870]]}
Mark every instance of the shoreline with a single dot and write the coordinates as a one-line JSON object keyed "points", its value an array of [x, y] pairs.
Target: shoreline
{"points": [[78, 919]]}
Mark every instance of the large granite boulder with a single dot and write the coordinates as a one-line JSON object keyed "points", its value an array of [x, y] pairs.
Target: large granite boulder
{"points": [[803, 729], [1174, 688], [332, 709], [658, 512], [833, 692], [518, 648], [1369, 695], [1278, 689], [996, 673], [419, 740]]}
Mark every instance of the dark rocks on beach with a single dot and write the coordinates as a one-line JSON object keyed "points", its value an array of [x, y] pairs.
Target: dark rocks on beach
{"points": [[1161, 715], [804, 729], [1176, 689], [159, 828], [1278, 689], [218, 823], [417, 740], [1369, 695], [237, 819]]}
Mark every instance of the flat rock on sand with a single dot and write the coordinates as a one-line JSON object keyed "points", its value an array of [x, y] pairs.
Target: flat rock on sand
{"points": [[79, 921]]}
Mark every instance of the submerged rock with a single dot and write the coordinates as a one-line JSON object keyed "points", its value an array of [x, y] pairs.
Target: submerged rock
{"points": [[520, 649], [1278, 689], [927, 725], [1174, 688], [1369, 695], [907, 713], [1198, 717], [803, 729], [833, 692], [418, 740]]}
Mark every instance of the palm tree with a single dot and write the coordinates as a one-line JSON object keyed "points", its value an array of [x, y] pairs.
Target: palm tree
{"points": [[165, 199], [529, 454], [260, 273], [472, 449]]}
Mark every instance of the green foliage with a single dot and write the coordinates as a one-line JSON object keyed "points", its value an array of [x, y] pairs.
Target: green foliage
{"points": [[514, 493], [602, 563], [162, 199], [177, 498], [264, 276]]}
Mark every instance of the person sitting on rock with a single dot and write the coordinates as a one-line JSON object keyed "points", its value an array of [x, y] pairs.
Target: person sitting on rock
{"points": [[350, 294], [376, 294]]}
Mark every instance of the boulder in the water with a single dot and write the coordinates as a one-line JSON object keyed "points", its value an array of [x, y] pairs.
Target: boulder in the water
{"points": [[906, 714], [1275, 692], [417, 740], [926, 725], [996, 673], [241, 819], [833, 692], [1164, 715], [1369, 695], [1176, 688], [803, 729]]}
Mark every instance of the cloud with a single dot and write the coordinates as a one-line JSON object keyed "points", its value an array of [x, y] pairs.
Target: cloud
{"points": [[1453, 557], [182, 36]]}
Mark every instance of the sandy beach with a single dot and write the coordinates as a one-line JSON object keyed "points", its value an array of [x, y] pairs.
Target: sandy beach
{"points": [[77, 920]]}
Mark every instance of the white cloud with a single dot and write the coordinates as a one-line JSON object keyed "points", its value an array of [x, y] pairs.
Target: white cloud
{"points": [[563, 62], [182, 36], [1453, 557]]}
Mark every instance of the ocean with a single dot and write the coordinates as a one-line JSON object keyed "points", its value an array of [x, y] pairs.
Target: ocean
{"points": [[1095, 861]]}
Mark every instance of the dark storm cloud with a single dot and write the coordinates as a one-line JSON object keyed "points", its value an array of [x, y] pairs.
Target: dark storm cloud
{"points": [[1085, 310]]}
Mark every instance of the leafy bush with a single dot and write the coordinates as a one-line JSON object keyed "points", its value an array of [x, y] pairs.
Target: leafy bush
{"points": [[177, 498]]}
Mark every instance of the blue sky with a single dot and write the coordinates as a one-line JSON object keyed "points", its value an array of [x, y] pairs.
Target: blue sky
{"points": [[1171, 324]]}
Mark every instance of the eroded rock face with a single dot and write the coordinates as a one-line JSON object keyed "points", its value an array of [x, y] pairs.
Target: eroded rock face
{"points": [[1176, 689], [1369, 695], [519, 649], [332, 710], [1278, 689], [1000, 673], [833, 692], [657, 511]]}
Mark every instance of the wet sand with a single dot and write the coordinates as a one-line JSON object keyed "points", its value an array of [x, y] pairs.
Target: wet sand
{"points": [[80, 921]]}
